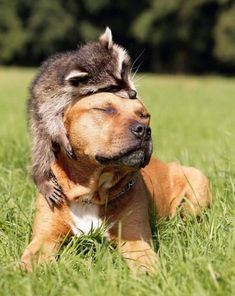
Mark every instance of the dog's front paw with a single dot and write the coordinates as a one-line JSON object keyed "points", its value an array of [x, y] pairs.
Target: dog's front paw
{"points": [[25, 263], [139, 256], [37, 252]]}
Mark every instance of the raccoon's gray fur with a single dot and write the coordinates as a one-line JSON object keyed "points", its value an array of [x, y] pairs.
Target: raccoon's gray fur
{"points": [[95, 67]]}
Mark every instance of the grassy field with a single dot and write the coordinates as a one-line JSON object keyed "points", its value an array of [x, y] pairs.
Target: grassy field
{"points": [[193, 121]]}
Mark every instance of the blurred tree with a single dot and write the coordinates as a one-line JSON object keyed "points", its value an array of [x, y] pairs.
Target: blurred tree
{"points": [[224, 48], [177, 35], [12, 34], [48, 28]]}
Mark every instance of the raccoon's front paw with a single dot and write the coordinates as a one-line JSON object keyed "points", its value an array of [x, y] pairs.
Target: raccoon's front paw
{"points": [[69, 152], [56, 196], [53, 193], [63, 141]]}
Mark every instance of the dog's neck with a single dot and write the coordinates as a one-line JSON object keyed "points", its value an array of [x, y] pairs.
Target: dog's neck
{"points": [[82, 180]]}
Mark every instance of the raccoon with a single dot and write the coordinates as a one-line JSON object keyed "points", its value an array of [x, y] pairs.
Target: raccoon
{"points": [[100, 66]]}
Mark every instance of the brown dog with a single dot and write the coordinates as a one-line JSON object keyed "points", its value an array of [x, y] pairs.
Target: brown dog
{"points": [[107, 184]]}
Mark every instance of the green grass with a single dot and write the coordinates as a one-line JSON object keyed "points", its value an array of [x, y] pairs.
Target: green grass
{"points": [[193, 121]]}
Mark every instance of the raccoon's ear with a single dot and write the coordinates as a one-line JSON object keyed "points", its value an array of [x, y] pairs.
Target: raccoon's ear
{"points": [[106, 38], [75, 76]]}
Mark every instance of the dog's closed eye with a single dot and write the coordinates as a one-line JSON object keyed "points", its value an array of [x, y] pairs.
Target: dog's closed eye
{"points": [[143, 115], [108, 110]]}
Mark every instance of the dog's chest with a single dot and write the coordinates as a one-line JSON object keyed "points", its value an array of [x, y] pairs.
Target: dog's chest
{"points": [[85, 217]]}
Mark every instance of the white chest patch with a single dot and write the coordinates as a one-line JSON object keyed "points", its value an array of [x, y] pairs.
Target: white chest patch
{"points": [[85, 217]]}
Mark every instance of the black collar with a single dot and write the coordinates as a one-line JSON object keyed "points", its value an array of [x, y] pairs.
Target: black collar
{"points": [[127, 187]]}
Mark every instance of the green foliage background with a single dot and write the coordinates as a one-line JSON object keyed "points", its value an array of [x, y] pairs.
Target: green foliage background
{"points": [[176, 35]]}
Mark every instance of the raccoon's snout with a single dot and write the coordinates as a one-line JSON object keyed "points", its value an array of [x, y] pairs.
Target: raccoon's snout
{"points": [[132, 94]]}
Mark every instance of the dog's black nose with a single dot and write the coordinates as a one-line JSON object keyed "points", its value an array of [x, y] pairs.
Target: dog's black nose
{"points": [[132, 94], [141, 130]]}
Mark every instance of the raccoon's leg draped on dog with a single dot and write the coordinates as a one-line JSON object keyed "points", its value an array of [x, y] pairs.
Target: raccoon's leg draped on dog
{"points": [[57, 132], [42, 157], [51, 115], [46, 122]]}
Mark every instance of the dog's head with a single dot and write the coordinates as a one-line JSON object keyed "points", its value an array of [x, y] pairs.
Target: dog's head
{"points": [[110, 131]]}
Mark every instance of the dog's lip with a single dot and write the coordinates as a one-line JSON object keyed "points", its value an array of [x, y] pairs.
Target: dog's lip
{"points": [[105, 159]]}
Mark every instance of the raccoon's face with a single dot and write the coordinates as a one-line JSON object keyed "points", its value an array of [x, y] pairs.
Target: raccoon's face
{"points": [[101, 67]]}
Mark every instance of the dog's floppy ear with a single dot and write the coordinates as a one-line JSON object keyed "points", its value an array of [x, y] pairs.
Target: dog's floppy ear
{"points": [[75, 76], [106, 38]]}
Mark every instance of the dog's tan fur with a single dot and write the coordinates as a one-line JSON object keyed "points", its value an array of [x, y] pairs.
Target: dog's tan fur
{"points": [[127, 217]]}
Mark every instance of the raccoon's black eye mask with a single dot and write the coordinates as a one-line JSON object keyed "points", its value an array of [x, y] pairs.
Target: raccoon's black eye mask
{"points": [[76, 81], [110, 88]]}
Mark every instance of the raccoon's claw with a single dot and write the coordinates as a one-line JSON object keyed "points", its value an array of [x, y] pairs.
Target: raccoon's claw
{"points": [[55, 199], [57, 196], [50, 202], [70, 153], [63, 141], [53, 192]]}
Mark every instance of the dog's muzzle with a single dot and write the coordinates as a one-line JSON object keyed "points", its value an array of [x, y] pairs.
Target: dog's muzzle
{"points": [[137, 155]]}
